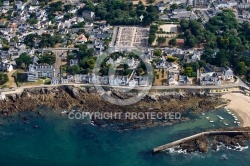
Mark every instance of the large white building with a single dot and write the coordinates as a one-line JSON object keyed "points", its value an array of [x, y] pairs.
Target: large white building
{"points": [[40, 71]]}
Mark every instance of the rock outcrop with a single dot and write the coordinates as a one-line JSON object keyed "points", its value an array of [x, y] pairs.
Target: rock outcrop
{"points": [[87, 99], [201, 144]]}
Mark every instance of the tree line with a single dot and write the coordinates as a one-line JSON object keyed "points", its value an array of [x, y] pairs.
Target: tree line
{"points": [[225, 39], [117, 12]]}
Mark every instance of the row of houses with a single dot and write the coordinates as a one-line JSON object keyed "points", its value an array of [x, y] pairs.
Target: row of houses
{"points": [[103, 80], [215, 75], [175, 79], [207, 76], [131, 62]]}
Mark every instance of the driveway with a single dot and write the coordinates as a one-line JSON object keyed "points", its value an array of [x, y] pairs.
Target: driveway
{"points": [[58, 63]]}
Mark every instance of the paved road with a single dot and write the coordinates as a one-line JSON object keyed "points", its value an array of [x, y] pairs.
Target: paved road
{"points": [[241, 83], [20, 89], [112, 43]]}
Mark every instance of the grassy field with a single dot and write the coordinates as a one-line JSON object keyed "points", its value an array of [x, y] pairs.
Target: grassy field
{"points": [[11, 81], [21, 78], [3, 80]]}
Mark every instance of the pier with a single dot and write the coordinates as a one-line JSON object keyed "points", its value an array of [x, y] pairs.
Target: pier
{"points": [[208, 133]]}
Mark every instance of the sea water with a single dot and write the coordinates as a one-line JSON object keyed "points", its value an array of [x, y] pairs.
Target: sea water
{"points": [[61, 141]]}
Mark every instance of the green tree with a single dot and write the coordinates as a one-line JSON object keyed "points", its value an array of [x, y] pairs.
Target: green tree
{"points": [[190, 41], [75, 69], [173, 6], [140, 71], [67, 7], [32, 19], [23, 60], [241, 68], [195, 65], [152, 31], [67, 16], [157, 52], [161, 40], [188, 71], [173, 42], [172, 59], [188, 8], [47, 58], [221, 58], [3, 78], [30, 39]]}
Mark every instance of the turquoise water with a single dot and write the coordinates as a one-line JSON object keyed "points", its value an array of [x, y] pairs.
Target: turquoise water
{"points": [[60, 141]]}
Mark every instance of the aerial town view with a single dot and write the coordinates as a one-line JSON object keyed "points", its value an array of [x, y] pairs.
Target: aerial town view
{"points": [[125, 82]]}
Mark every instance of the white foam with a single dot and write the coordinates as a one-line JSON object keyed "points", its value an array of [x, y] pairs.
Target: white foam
{"points": [[176, 149], [235, 148]]}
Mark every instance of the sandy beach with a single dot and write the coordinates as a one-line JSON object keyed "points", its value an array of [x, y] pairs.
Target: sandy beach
{"points": [[240, 104]]}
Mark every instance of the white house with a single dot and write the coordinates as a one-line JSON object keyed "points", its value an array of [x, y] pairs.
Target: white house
{"points": [[244, 5], [132, 83], [89, 15], [196, 56], [73, 62], [245, 14], [55, 81], [227, 74], [2, 96], [173, 80], [6, 3], [6, 67], [19, 5], [132, 63]]}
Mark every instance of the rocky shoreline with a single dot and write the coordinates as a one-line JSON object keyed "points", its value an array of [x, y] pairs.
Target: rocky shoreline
{"points": [[87, 99], [68, 98], [202, 144]]}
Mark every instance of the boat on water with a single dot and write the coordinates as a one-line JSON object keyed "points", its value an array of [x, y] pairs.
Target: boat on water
{"points": [[225, 124], [211, 121], [224, 157], [207, 117], [220, 117], [203, 113], [64, 112]]}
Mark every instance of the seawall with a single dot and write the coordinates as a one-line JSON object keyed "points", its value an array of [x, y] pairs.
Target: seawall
{"points": [[183, 140]]}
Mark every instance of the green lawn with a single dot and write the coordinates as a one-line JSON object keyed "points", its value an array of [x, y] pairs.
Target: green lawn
{"points": [[21, 79], [3, 78]]}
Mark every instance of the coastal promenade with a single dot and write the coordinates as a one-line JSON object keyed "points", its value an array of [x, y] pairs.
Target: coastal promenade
{"points": [[208, 133], [21, 89]]}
